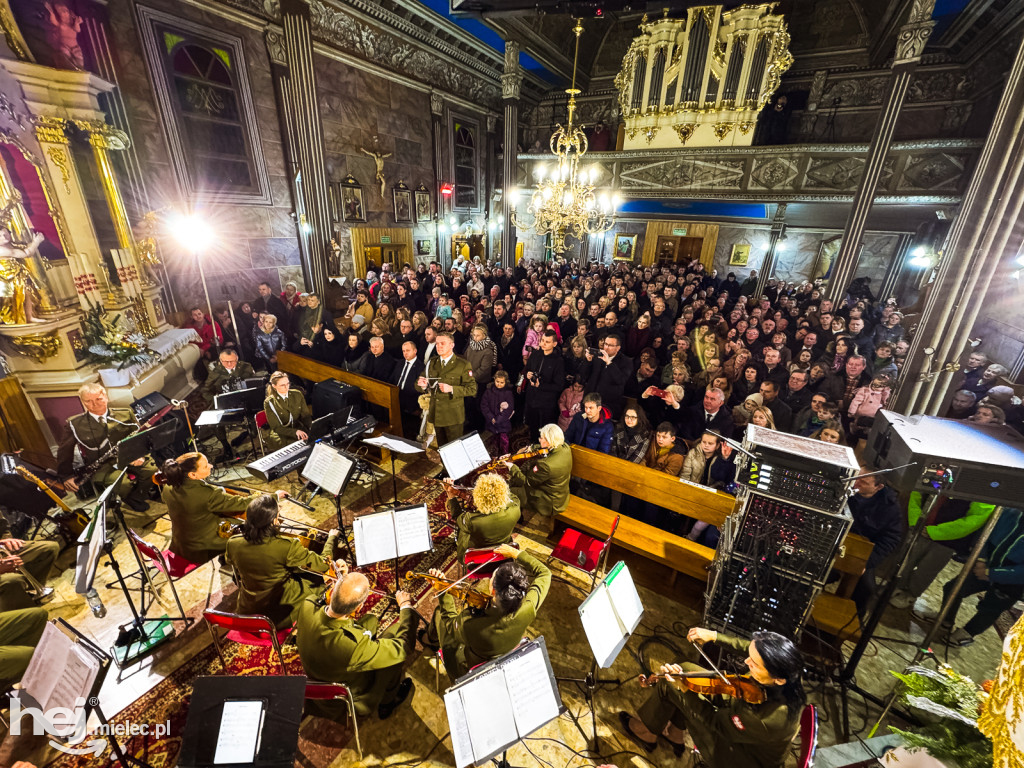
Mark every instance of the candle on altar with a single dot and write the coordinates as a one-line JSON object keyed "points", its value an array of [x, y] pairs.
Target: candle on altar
{"points": [[78, 276], [122, 274]]}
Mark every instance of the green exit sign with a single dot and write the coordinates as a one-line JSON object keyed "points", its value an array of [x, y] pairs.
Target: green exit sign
{"points": [[386, 239], [679, 231]]}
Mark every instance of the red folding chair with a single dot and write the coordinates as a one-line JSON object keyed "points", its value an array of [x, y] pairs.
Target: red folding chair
{"points": [[808, 736], [583, 552], [336, 692], [247, 630], [170, 565], [261, 420], [480, 563]]}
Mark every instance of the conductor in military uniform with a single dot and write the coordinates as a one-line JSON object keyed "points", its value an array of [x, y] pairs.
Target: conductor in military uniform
{"points": [[471, 636], [226, 375], [94, 433], [542, 484], [196, 508], [268, 565], [493, 520], [453, 382], [336, 648], [288, 416]]}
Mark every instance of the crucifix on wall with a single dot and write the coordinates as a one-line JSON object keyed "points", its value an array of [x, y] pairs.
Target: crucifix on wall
{"points": [[378, 160]]}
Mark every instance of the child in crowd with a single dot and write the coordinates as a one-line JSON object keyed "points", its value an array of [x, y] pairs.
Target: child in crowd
{"points": [[497, 406]]}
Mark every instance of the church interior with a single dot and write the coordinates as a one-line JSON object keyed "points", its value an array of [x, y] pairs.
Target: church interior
{"points": [[205, 198]]}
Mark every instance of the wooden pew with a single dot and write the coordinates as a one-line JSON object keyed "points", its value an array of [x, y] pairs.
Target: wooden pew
{"points": [[374, 391], [832, 613]]}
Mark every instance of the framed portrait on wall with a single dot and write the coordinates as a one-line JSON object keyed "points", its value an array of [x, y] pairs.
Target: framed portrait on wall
{"points": [[403, 203], [826, 256], [625, 247], [740, 255], [350, 200], [424, 209]]}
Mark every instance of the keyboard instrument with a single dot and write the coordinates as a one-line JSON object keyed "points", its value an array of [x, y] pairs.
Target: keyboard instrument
{"points": [[294, 456]]}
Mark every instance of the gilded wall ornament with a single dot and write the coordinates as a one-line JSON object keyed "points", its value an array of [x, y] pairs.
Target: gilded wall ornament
{"points": [[685, 131], [59, 157], [38, 346], [721, 130], [51, 129]]}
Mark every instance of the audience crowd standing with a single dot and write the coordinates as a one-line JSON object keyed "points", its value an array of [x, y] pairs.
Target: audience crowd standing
{"points": [[636, 362]]}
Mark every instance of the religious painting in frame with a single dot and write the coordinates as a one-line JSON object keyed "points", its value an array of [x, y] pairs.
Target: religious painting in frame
{"points": [[625, 247], [350, 193], [826, 256], [740, 255], [424, 209], [403, 203], [423, 247]]}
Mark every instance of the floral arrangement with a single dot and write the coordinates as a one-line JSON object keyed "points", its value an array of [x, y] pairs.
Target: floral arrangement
{"points": [[109, 344], [950, 703]]}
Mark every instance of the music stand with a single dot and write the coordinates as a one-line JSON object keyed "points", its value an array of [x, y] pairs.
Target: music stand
{"points": [[395, 444], [462, 456], [326, 425], [392, 534], [143, 443], [256, 721], [250, 401], [501, 702], [610, 614], [330, 469]]}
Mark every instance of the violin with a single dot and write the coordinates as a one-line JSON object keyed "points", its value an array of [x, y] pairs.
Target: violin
{"points": [[469, 595], [742, 687], [521, 456]]}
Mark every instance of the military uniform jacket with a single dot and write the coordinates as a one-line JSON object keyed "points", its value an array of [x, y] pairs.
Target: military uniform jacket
{"points": [[546, 480], [286, 416], [728, 731], [265, 575], [222, 380], [196, 510], [448, 409], [340, 651], [477, 530], [488, 634], [93, 438]]}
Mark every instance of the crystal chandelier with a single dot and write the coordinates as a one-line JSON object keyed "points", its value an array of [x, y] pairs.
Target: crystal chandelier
{"points": [[564, 201]]}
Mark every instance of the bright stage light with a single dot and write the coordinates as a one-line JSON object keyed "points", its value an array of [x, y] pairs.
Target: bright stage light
{"points": [[191, 231]]}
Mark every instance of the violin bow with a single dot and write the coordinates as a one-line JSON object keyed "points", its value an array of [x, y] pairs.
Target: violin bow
{"points": [[715, 669], [469, 573]]}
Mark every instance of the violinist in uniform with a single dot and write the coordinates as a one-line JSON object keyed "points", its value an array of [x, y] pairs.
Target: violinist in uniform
{"points": [[196, 508], [472, 636], [268, 565], [337, 648], [725, 728], [493, 520], [542, 485], [94, 433], [226, 375], [288, 416]]}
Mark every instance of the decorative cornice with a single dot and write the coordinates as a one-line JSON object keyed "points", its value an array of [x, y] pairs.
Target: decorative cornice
{"points": [[104, 136], [275, 47], [51, 129]]}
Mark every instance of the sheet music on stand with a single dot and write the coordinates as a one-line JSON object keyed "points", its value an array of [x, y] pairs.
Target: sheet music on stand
{"points": [[394, 443], [215, 416], [462, 456], [393, 533], [328, 468], [65, 668], [611, 613], [504, 701], [92, 539]]}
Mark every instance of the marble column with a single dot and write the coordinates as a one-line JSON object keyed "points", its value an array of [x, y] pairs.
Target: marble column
{"points": [[511, 84], [896, 266], [909, 46], [980, 243], [309, 141], [768, 265]]}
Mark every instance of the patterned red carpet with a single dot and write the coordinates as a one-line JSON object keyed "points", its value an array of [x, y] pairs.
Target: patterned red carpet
{"points": [[320, 740]]}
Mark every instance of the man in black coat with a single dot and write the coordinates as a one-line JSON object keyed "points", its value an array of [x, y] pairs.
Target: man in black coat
{"points": [[876, 516], [796, 394], [545, 380], [782, 414], [710, 414], [378, 364], [267, 302], [404, 377], [610, 372]]}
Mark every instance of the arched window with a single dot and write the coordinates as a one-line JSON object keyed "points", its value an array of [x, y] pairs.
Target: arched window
{"points": [[204, 97]]}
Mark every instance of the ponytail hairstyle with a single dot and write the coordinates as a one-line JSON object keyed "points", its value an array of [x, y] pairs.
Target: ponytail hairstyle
{"points": [[510, 582], [259, 519], [782, 659], [275, 377], [176, 471]]}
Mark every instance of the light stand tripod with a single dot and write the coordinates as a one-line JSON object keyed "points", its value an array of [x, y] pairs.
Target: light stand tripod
{"points": [[590, 684]]}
